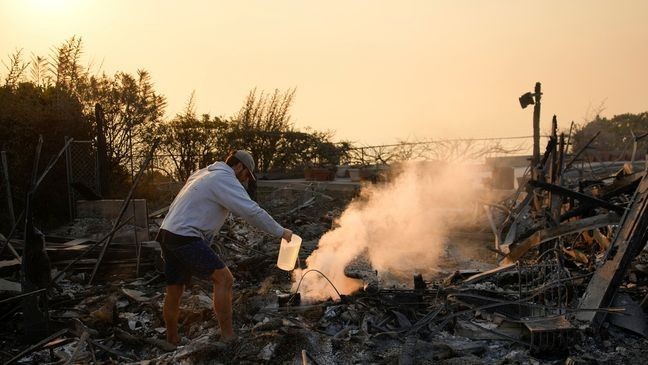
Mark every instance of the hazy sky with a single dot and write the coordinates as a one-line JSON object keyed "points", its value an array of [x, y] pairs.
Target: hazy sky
{"points": [[373, 71]]}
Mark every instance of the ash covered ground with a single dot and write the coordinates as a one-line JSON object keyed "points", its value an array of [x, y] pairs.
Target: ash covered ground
{"points": [[438, 317]]}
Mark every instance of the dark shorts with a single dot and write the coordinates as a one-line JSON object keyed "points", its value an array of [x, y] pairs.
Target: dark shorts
{"points": [[185, 257]]}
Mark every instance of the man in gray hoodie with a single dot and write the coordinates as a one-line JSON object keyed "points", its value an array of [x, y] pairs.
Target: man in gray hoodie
{"points": [[196, 214]]}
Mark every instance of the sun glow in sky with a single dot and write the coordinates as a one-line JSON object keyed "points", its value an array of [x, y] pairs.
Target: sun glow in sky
{"points": [[373, 71]]}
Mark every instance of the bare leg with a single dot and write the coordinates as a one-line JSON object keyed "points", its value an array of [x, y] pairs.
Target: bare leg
{"points": [[171, 312], [222, 297]]}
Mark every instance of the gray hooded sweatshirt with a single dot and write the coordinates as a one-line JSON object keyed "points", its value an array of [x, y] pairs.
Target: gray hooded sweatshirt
{"points": [[201, 207]]}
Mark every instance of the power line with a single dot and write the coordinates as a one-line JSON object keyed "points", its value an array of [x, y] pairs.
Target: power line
{"points": [[442, 141]]}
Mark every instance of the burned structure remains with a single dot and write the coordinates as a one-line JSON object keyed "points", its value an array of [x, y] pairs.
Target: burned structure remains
{"points": [[566, 282]]}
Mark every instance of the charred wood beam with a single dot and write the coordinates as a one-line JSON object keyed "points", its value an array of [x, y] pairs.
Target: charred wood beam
{"points": [[583, 210], [549, 151], [554, 153], [587, 199], [629, 240], [543, 168], [515, 216], [37, 346], [556, 203], [22, 295], [518, 250], [560, 164]]}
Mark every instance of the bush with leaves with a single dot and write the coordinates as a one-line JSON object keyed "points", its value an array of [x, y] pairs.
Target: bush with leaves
{"points": [[191, 142], [616, 136], [27, 111], [263, 127], [56, 97]]}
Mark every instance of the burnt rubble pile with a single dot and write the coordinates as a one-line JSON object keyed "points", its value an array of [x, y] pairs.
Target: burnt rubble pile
{"points": [[569, 287]]}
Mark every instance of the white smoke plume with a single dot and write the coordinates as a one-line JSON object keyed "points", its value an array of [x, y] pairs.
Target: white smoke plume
{"points": [[402, 226]]}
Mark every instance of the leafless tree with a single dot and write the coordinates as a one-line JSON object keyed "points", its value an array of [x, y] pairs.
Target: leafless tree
{"points": [[443, 150]]}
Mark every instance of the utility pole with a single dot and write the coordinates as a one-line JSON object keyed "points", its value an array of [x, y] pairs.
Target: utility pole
{"points": [[526, 100], [536, 171], [536, 125]]}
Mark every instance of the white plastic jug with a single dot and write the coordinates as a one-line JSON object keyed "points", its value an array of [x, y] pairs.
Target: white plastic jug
{"points": [[288, 252]]}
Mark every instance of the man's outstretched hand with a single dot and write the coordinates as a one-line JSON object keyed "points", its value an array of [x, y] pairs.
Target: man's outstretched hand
{"points": [[287, 234]]}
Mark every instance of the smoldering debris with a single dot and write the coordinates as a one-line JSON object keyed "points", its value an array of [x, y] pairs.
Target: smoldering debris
{"points": [[554, 273]]}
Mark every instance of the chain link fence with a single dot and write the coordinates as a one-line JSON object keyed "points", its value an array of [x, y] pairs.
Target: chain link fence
{"points": [[83, 174], [82, 167]]}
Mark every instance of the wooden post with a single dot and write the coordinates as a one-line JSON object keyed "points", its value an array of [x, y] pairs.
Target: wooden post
{"points": [[5, 169], [552, 161], [556, 203], [554, 150], [35, 270], [102, 155]]}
